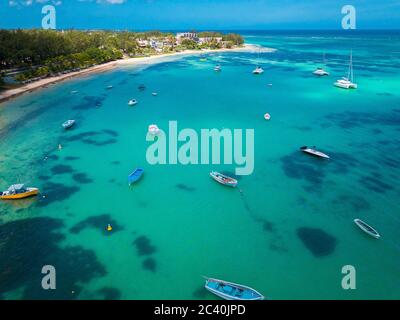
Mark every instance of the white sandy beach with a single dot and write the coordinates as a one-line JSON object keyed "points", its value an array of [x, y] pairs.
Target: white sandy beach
{"points": [[11, 93]]}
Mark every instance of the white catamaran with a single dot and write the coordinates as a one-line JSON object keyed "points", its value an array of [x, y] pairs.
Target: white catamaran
{"points": [[347, 83]]}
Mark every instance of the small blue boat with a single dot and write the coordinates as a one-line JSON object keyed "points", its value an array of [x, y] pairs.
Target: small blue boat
{"points": [[135, 175], [231, 291]]}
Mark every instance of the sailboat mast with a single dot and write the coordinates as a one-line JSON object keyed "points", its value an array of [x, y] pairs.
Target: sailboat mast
{"points": [[351, 62]]}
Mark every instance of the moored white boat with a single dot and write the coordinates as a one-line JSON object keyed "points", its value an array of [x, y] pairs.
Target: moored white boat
{"points": [[231, 291], [153, 129], [68, 124], [258, 70], [223, 179], [347, 82], [314, 152], [132, 102], [217, 68], [321, 72], [367, 228]]}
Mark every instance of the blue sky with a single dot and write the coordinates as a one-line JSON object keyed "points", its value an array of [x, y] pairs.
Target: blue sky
{"points": [[200, 14]]}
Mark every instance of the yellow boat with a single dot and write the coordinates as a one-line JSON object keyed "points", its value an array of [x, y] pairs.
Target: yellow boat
{"points": [[18, 191]]}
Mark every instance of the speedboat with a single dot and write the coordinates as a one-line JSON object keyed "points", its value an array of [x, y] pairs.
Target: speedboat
{"points": [[321, 72], [18, 191], [231, 291], [223, 179], [367, 228], [347, 82], [135, 175], [68, 124], [267, 116], [258, 70], [217, 68], [132, 102], [314, 152], [153, 129]]}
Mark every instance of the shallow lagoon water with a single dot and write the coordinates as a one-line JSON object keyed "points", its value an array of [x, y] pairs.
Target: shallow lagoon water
{"points": [[290, 230]]}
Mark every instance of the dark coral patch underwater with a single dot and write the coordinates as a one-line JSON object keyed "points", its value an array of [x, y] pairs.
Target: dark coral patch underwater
{"points": [[317, 241], [99, 222], [143, 246], [29, 245]]}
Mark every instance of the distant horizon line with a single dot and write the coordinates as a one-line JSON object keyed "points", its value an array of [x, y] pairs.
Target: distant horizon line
{"points": [[199, 30]]}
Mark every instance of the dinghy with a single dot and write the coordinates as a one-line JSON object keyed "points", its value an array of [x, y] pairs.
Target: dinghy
{"points": [[18, 191], [267, 116], [223, 179], [68, 124], [132, 102], [154, 94], [153, 129], [367, 228], [232, 291], [314, 152], [135, 175]]}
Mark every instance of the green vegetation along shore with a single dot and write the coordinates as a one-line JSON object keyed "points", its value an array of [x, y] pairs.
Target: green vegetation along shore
{"points": [[28, 55]]}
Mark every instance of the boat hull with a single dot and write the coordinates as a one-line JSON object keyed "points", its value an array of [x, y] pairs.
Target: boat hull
{"points": [[30, 193], [367, 228], [216, 286], [224, 180]]}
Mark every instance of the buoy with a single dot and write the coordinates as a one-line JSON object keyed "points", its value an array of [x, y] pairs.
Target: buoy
{"points": [[267, 116], [109, 228]]}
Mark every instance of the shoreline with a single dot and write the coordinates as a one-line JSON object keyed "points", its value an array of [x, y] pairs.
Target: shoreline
{"points": [[43, 83]]}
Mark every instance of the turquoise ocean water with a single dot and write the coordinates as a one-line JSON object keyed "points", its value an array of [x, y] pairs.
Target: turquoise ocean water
{"points": [[290, 230]]}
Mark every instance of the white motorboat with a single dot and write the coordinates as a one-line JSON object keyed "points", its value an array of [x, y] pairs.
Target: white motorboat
{"points": [[258, 70], [153, 129], [321, 72], [314, 152], [68, 124], [132, 102]]}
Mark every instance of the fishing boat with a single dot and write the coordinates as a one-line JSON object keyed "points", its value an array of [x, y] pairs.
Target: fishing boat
{"points": [[347, 82], [153, 129], [18, 191], [258, 70], [68, 124], [267, 116], [314, 152], [135, 175], [232, 291], [217, 68], [367, 228], [223, 179], [132, 102]]}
